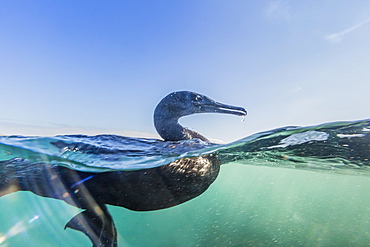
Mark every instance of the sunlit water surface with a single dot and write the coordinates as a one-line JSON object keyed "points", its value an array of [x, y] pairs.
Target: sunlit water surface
{"points": [[293, 186]]}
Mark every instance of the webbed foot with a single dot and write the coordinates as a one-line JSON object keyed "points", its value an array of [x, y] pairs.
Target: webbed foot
{"points": [[97, 224]]}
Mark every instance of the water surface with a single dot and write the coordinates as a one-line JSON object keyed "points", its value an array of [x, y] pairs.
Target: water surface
{"points": [[294, 186]]}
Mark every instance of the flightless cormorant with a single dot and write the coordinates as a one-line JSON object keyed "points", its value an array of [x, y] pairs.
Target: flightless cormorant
{"points": [[139, 190]]}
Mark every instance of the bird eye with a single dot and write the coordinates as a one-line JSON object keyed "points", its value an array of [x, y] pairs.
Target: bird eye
{"points": [[198, 98]]}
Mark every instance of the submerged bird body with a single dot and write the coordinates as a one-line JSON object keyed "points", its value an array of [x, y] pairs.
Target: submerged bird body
{"points": [[139, 190]]}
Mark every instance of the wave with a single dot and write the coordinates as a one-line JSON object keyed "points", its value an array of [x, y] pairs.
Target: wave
{"points": [[336, 147]]}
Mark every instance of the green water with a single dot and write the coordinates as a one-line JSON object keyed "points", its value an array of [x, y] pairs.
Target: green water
{"points": [[246, 206]]}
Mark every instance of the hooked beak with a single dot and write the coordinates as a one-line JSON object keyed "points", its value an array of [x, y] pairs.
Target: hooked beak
{"points": [[217, 107]]}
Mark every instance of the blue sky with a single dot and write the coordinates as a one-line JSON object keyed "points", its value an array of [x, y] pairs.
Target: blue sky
{"points": [[101, 67]]}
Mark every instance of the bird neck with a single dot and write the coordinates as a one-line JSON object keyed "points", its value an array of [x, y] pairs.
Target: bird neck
{"points": [[170, 130]]}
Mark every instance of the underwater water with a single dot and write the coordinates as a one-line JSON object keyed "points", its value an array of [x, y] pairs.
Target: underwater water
{"points": [[293, 186]]}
